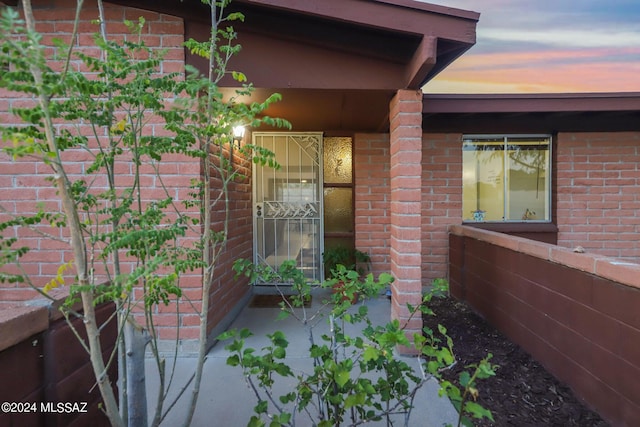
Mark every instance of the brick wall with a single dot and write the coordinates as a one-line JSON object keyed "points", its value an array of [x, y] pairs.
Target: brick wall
{"points": [[577, 314], [441, 200], [22, 182], [405, 186], [598, 181], [371, 166], [43, 362], [227, 291]]}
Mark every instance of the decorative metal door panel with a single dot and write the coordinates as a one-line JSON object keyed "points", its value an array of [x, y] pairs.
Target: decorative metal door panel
{"points": [[287, 202]]}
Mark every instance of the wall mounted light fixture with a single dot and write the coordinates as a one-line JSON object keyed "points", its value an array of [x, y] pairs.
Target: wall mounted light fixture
{"points": [[238, 135]]}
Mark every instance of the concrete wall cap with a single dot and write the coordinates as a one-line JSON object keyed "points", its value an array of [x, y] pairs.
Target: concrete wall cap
{"points": [[56, 299], [19, 322], [620, 271]]}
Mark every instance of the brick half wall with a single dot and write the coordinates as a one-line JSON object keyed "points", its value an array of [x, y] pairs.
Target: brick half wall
{"points": [[43, 363], [577, 314]]}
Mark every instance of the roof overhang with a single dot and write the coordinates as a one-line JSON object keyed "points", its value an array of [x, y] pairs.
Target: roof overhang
{"points": [[558, 112], [359, 52], [415, 40], [337, 63], [409, 41]]}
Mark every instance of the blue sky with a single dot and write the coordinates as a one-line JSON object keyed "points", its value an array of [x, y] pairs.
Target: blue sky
{"points": [[547, 46]]}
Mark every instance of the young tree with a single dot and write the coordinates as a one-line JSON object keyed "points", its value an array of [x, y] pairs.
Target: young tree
{"points": [[354, 376], [128, 246]]}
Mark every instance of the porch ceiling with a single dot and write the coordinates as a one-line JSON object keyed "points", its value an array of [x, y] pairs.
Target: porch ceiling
{"points": [[331, 111], [336, 62]]}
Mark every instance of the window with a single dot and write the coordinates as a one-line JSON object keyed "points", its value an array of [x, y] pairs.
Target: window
{"points": [[506, 178], [338, 192]]}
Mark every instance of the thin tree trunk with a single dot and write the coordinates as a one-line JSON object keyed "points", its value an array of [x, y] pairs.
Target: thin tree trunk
{"points": [[208, 256], [136, 340], [77, 243]]}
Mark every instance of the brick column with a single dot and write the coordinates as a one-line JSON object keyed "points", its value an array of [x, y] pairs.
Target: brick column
{"points": [[406, 196]]}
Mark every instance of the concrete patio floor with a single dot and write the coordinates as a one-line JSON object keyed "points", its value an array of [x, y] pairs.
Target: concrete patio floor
{"points": [[226, 399]]}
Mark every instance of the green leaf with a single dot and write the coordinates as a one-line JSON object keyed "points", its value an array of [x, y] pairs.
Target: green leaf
{"points": [[466, 421], [283, 314], [233, 360], [278, 338], [464, 378], [442, 329], [280, 420], [235, 16], [261, 407], [290, 397], [239, 77], [353, 400], [255, 422], [341, 377], [318, 351], [433, 367], [370, 353], [226, 335], [283, 370], [477, 411], [279, 353], [448, 356]]}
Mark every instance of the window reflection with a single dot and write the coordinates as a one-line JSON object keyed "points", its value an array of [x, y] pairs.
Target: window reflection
{"points": [[506, 178]]}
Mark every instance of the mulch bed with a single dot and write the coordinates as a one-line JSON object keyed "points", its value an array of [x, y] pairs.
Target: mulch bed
{"points": [[522, 393]]}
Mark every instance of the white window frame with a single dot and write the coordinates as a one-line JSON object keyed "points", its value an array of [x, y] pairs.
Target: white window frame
{"points": [[505, 138]]}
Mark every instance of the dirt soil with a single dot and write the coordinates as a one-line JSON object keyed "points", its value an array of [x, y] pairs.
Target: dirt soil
{"points": [[522, 393]]}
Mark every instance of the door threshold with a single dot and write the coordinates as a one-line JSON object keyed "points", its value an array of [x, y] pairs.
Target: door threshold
{"points": [[274, 301], [273, 289]]}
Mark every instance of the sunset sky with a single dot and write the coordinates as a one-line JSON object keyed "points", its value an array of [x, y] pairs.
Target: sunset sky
{"points": [[547, 46]]}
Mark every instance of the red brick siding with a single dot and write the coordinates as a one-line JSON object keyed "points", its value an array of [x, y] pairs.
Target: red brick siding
{"points": [[598, 181], [372, 198], [441, 199], [227, 291], [405, 185], [22, 182]]}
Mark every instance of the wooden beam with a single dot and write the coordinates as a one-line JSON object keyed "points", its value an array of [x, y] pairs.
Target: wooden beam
{"points": [[422, 62]]}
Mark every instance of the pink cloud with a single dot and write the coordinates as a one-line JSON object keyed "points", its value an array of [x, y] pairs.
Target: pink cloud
{"points": [[574, 46], [542, 71], [529, 58]]}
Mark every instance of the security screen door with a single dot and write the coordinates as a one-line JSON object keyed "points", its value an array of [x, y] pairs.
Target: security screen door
{"points": [[287, 202]]}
